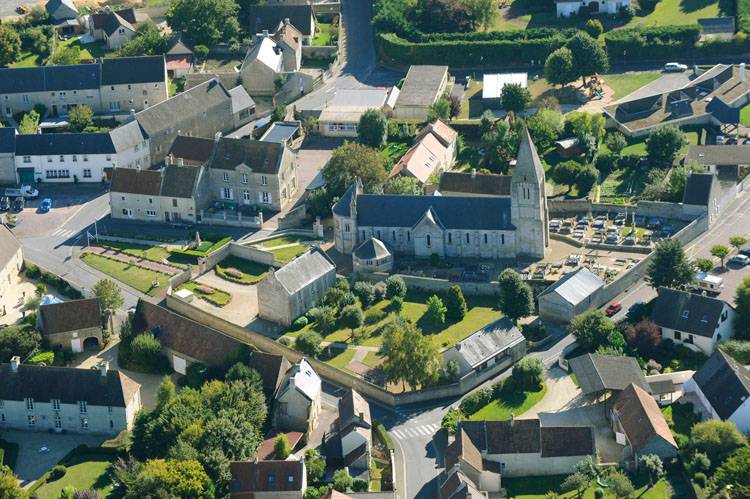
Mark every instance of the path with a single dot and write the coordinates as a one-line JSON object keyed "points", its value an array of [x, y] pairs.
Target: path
{"points": [[133, 260], [242, 308]]}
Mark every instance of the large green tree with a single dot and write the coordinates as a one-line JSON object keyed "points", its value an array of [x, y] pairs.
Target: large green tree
{"points": [[742, 304], [558, 68], [110, 297], [10, 44], [401, 184], [80, 116], [455, 303], [663, 144], [589, 57], [207, 22], [516, 297], [514, 97], [484, 12], [19, 340], [410, 357], [545, 128], [147, 41], [717, 439], [172, 478], [669, 266], [373, 128], [351, 161], [733, 476], [591, 329]]}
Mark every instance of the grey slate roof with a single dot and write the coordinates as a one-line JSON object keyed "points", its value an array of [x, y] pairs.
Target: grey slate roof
{"points": [[240, 99], [479, 183], [126, 136], [7, 140], [64, 143], [698, 189], [371, 249], [724, 382], [143, 69], [70, 315], [262, 157], [113, 21], [179, 181], [421, 85], [197, 149], [9, 246], [179, 44], [280, 132], [596, 372], [304, 269], [342, 207], [703, 312], [68, 384], [718, 155], [269, 17], [576, 286], [488, 341]]}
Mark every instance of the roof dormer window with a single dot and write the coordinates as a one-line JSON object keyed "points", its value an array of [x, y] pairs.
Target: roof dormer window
{"points": [[685, 314]]}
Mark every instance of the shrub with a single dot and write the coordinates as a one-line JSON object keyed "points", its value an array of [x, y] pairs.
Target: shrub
{"points": [[528, 373], [232, 272], [395, 286], [205, 290], [143, 353], [284, 341], [46, 358], [475, 401], [455, 303], [599, 493], [342, 481], [594, 27], [360, 485], [299, 323], [380, 291], [700, 479], [374, 316], [58, 471], [652, 365], [397, 304], [308, 342], [31, 270], [365, 292], [196, 374]]}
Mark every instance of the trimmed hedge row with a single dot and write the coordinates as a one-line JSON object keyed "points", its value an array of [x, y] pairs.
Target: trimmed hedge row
{"points": [[488, 36], [33, 272], [650, 43], [743, 15]]}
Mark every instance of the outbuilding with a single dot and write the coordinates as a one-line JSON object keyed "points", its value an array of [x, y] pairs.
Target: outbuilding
{"points": [[573, 294]]}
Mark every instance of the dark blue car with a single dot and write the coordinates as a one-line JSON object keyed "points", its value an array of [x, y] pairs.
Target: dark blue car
{"points": [[46, 205]]}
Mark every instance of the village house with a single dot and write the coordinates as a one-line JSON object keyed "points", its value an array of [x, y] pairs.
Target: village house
{"points": [[190, 151], [696, 321], [272, 17], [134, 194], [341, 114], [289, 292], [180, 57], [423, 86], [115, 27], [572, 8], [351, 446], [268, 479], [571, 295], [600, 375], [434, 151], [7, 156], [57, 399], [11, 260], [297, 404], [61, 10], [72, 325], [272, 369], [269, 60], [721, 387], [113, 87]]}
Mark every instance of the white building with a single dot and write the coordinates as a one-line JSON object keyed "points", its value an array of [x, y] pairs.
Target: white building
{"points": [[341, 115], [64, 157], [298, 402], [573, 294], [696, 321], [571, 8], [723, 387]]}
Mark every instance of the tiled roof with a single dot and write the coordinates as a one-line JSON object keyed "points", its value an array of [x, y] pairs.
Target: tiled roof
{"points": [[641, 418], [126, 136], [70, 316], [352, 406], [596, 372], [724, 382], [262, 157], [195, 149], [132, 181], [269, 17], [271, 368], [687, 312], [50, 78], [475, 183], [7, 140], [114, 21], [371, 249], [561, 441], [517, 437], [99, 19], [141, 69], [180, 181], [9, 246], [267, 476]]}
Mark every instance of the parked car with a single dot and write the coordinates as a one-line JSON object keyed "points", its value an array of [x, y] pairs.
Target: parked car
{"points": [[720, 140], [612, 239], [740, 260], [629, 241], [573, 260], [599, 224], [613, 308], [4, 203], [46, 205], [674, 67], [566, 230], [25, 191], [745, 251], [18, 204]]}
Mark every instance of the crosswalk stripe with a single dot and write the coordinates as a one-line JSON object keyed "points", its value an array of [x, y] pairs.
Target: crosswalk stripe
{"points": [[433, 427], [397, 434]]}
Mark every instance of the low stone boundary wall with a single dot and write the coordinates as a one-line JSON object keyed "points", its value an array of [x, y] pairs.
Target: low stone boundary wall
{"points": [[178, 280], [144, 242], [436, 285], [320, 51], [326, 9]]}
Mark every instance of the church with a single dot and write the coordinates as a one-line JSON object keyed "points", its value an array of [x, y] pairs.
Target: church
{"points": [[510, 226]]}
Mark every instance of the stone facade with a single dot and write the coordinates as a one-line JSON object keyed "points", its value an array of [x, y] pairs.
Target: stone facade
{"points": [[11, 259]]}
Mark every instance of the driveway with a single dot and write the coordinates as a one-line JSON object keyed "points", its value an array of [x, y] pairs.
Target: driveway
{"points": [[561, 394], [241, 309], [31, 464]]}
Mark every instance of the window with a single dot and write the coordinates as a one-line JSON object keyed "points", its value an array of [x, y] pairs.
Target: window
{"points": [[689, 339], [685, 314], [56, 404], [75, 158], [58, 422], [485, 239], [363, 235], [2, 418], [87, 173], [271, 478], [150, 213], [677, 335], [62, 95], [393, 235], [408, 236], [109, 409], [2, 404], [246, 196], [290, 478], [226, 193], [467, 238], [129, 86], [705, 318], [27, 159], [429, 241], [84, 423], [31, 420], [263, 180], [82, 406], [111, 424], [266, 197], [114, 106], [25, 99], [226, 176], [29, 404], [502, 238], [346, 227], [244, 178], [62, 158], [450, 238], [174, 203], [379, 234], [49, 159]]}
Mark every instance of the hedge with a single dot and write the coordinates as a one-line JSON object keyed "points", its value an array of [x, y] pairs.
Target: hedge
{"points": [[650, 43], [33, 272], [488, 36], [383, 435], [743, 15]]}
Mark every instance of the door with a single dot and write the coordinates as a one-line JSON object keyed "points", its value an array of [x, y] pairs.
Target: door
{"points": [[54, 109], [75, 345], [26, 176], [166, 216], [180, 364]]}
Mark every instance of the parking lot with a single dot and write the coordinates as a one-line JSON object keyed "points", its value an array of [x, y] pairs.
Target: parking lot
{"points": [[732, 277]]}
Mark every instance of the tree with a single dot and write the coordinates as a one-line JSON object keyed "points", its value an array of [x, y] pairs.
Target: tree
{"points": [[742, 305], [566, 173], [737, 241], [352, 317], [80, 116], [110, 297], [591, 329], [594, 28], [434, 316], [576, 482], [351, 161], [703, 264], [616, 142], [653, 465], [663, 144], [558, 68], [644, 336], [528, 373], [669, 267], [148, 40], [9, 488], [201, 52], [440, 109], [717, 439], [455, 103], [620, 484], [65, 55], [373, 128], [484, 12], [308, 342], [455, 303], [166, 393], [29, 122], [401, 184], [281, 447], [720, 251], [316, 466], [278, 113], [586, 178], [10, 44], [207, 22], [410, 357], [342, 481], [545, 128], [395, 286], [588, 56], [18, 340], [450, 420], [735, 471], [444, 16], [365, 292], [172, 478], [516, 297], [514, 97]]}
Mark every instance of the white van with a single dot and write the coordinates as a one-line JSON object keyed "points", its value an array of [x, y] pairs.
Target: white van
{"points": [[711, 284]]}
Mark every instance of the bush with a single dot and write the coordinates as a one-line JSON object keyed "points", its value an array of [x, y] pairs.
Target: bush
{"points": [[46, 358], [657, 42], [143, 353], [31, 270], [284, 341], [299, 323], [308, 342], [397, 304], [395, 286], [360, 485], [599, 493], [380, 291], [476, 400], [205, 290], [743, 15], [528, 373], [365, 292], [374, 316], [700, 479], [58, 471], [594, 28]]}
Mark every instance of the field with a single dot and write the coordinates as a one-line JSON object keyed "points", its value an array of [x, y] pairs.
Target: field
{"points": [[286, 248], [623, 84], [89, 51], [509, 404], [85, 471], [252, 272], [134, 276]]}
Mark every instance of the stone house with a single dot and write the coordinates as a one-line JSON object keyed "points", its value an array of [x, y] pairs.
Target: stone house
{"points": [[179, 56], [722, 387], [466, 474], [696, 321], [72, 325], [56, 399], [640, 426], [289, 292], [115, 27], [131, 146], [134, 194], [269, 59], [11, 259], [570, 296], [272, 17], [372, 256], [112, 87], [422, 87], [453, 226], [600, 374], [268, 479], [272, 369], [352, 444], [297, 404], [190, 151], [434, 151]]}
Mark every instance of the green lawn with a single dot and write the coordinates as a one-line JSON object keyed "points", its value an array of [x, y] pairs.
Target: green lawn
{"points": [[217, 297], [340, 358], [372, 359], [626, 83], [745, 115], [514, 403], [286, 255], [323, 34], [89, 51], [299, 244], [252, 272], [132, 275], [680, 418], [156, 253], [223, 64], [85, 471], [678, 12], [481, 312], [393, 151], [316, 62], [536, 487], [282, 241]]}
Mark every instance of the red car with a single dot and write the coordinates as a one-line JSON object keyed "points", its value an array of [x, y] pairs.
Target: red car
{"points": [[613, 308]]}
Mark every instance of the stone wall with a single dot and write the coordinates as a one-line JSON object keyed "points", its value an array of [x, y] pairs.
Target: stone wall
{"points": [[178, 280], [436, 285], [327, 9], [252, 254], [571, 207], [320, 51]]}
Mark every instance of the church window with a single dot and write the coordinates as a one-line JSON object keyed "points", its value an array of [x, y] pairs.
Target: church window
{"points": [[393, 235], [502, 238], [450, 238], [379, 234], [485, 239], [408, 236], [429, 241], [363, 235], [467, 238], [346, 227]]}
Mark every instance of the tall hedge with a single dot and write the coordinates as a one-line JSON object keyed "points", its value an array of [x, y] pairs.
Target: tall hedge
{"points": [[651, 43], [743, 16]]}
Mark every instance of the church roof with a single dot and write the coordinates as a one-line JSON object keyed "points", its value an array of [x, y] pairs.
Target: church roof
{"points": [[527, 161]]}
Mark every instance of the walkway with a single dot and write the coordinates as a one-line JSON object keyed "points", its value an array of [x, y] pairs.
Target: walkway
{"points": [[133, 260]]}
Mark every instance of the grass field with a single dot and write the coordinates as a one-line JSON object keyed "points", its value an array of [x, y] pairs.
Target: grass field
{"points": [[536, 487], [340, 358], [292, 247], [156, 253], [481, 312], [323, 34], [510, 404], [745, 115], [372, 359], [85, 471], [678, 12], [89, 51], [252, 272], [626, 83], [218, 297], [134, 276]]}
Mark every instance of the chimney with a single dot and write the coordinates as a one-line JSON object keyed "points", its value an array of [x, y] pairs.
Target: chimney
{"points": [[265, 33], [14, 362], [742, 71], [217, 136], [473, 173], [362, 416], [512, 419], [104, 368]]}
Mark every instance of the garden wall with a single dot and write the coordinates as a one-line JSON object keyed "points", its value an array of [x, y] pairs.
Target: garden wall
{"points": [[326, 9], [437, 285], [252, 254], [320, 51], [178, 280]]}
